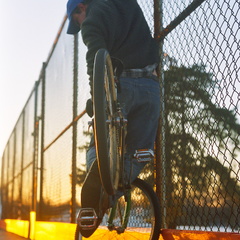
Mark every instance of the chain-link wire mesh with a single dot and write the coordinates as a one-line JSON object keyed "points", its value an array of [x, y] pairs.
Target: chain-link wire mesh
{"points": [[202, 114], [4, 181], [57, 180], [27, 157], [57, 157], [59, 88], [17, 168], [17, 199], [199, 179], [83, 82], [148, 8]]}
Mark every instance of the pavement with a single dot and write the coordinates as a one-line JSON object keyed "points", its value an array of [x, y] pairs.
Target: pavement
{"points": [[9, 236]]}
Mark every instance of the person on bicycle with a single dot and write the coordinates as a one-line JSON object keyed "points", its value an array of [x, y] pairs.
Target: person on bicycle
{"points": [[120, 27]]}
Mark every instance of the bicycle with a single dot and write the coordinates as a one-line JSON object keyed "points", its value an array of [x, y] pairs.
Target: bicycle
{"points": [[136, 213]]}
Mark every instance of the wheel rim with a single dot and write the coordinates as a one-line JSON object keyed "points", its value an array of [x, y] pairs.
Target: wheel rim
{"points": [[112, 125]]}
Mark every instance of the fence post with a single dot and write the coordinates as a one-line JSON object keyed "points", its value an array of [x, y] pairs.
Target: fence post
{"points": [[2, 187], [160, 140], [13, 173], [35, 151], [32, 214], [74, 129], [8, 179], [3, 191], [40, 214], [22, 159]]}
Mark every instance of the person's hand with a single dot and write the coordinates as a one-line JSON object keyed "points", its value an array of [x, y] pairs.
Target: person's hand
{"points": [[89, 107]]}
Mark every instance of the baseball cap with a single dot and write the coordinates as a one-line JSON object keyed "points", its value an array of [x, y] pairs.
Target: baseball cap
{"points": [[72, 27]]}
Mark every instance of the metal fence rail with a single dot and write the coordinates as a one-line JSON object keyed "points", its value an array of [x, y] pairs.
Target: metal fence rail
{"points": [[197, 149]]}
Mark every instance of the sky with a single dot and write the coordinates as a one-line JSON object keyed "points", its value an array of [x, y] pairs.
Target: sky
{"points": [[28, 30]]}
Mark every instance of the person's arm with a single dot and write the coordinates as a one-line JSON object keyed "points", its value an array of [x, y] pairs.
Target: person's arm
{"points": [[93, 35]]}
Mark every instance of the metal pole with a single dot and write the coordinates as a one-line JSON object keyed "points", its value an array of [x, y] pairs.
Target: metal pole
{"points": [[35, 151], [160, 140], [8, 179], [13, 172], [74, 130], [22, 161], [3, 186], [42, 142]]}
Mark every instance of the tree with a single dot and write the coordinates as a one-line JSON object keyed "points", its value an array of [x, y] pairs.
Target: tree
{"points": [[202, 142]]}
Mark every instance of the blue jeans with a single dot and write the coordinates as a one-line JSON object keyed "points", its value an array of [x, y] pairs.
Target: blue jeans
{"points": [[140, 102]]}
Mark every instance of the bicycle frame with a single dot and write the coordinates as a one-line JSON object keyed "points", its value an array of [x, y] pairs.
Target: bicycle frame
{"points": [[124, 185], [122, 124]]}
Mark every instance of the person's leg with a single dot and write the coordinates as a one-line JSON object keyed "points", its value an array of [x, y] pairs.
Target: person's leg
{"points": [[140, 99], [91, 188], [90, 157], [91, 191]]}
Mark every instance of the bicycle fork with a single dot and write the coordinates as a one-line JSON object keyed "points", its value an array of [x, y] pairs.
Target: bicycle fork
{"points": [[123, 218]]}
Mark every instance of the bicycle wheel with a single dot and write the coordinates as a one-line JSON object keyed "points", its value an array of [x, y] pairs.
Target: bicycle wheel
{"points": [[105, 121], [144, 218]]}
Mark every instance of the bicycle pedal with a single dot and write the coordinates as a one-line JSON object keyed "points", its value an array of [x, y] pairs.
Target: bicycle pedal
{"points": [[144, 155], [87, 219]]}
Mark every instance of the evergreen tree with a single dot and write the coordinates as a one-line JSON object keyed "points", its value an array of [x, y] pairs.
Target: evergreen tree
{"points": [[202, 142]]}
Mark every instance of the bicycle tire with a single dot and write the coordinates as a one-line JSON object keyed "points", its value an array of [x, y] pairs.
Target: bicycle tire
{"points": [[105, 127], [144, 221]]}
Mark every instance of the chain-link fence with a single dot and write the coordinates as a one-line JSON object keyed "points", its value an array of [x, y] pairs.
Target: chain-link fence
{"points": [[201, 76], [197, 148]]}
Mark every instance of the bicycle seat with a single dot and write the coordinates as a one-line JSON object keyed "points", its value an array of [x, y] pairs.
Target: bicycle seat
{"points": [[117, 65]]}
